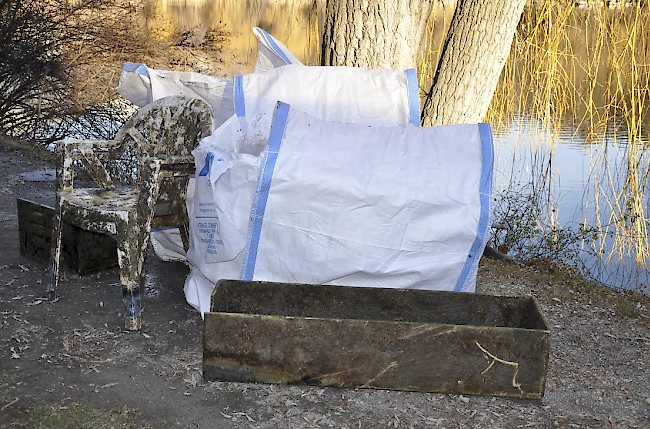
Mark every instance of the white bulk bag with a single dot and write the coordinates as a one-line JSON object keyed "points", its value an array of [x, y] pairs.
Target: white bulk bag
{"points": [[392, 101], [341, 94], [333, 93], [141, 85], [344, 94], [351, 204]]}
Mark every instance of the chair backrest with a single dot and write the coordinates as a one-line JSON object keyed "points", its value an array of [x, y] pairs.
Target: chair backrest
{"points": [[168, 126]]}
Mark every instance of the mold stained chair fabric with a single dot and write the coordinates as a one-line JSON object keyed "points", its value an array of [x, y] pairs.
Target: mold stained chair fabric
{"points": [[149, 161]]}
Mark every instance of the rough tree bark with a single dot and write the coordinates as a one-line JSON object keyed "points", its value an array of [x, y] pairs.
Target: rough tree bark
{"points": [[374, 33], [474, 53], [388, 34]]}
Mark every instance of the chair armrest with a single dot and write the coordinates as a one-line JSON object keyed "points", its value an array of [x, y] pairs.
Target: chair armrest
{"points": [[155, 169], [75, 149], [88, 152]]}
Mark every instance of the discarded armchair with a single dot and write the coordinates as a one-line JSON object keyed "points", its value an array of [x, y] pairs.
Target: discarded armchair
{"points": [[148, 161]]}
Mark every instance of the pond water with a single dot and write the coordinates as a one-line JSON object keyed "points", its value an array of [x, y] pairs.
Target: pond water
{"points": [[575, 177], [578, 186]]}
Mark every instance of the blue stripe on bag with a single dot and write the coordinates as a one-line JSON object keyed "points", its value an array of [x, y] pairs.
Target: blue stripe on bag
{"points": [[267, 167], [414, 96], [485, 193], [206, 168], [240, 103], [275, 47]]}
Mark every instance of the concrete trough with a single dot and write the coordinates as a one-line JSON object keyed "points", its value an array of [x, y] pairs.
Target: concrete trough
{"points": [[400, 339]]}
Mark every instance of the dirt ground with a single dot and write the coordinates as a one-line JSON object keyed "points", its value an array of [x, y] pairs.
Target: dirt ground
{"points": [[69, 363]]}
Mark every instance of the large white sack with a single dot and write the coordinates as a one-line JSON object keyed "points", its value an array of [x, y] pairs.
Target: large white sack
{"points": [[342, 94], [351, 204], [391, 102], [142, 85]]}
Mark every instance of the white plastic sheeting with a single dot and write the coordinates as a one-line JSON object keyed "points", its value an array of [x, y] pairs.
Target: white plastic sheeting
{"points": [[350, 204]]}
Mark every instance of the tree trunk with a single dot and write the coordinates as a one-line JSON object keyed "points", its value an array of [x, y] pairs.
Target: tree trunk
{"points": [[474, 53], [389, 33], [374, 33]]}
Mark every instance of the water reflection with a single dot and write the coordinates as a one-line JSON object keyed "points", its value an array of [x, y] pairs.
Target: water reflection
{"points": [[577, 187], [295, 23]]}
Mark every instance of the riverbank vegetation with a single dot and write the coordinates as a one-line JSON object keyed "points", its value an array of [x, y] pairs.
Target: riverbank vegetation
{"points": [[50, 50]]}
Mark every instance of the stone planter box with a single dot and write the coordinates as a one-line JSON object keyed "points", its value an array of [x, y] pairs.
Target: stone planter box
{"points": [[376, 338]]}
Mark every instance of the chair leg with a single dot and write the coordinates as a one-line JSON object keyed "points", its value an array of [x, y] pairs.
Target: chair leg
{"points": [[130, 280], [55, 254], [132, 307], [134, 245]]}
